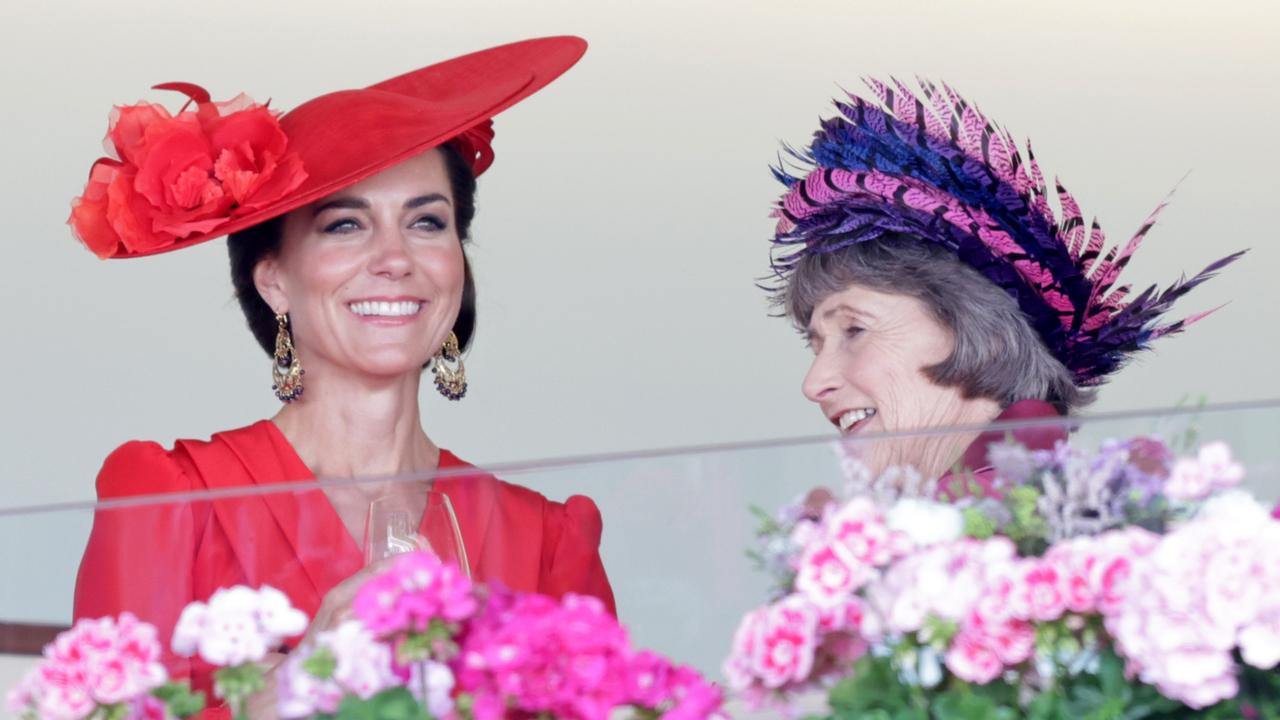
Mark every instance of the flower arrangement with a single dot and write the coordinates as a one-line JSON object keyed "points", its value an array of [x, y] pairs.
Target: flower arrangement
{"points": [[1126, 583], [424, 643]]}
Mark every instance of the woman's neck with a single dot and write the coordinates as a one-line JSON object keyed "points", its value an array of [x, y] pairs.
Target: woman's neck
{"points": [[940, 452], [356, 427]]}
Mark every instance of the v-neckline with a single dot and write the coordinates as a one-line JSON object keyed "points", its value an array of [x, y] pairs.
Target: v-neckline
{"points": [[317, 503]]}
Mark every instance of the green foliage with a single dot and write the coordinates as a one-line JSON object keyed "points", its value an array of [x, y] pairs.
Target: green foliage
{"points": [[940, 632], [180, 699], [964, 703], [977, 524], [236, 684], [767, 524], [437, 639], [1028, 529], [874, 690], [392, 704], [321, 663]]}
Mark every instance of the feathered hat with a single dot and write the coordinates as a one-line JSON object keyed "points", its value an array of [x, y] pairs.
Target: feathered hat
{"points": [[219, 167], [932, 166]]}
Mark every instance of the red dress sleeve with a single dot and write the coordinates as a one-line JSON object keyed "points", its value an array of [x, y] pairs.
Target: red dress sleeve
{"points": [[571, 551], [140, 559]]}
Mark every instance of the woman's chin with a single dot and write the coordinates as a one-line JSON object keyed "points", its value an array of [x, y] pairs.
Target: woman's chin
{"points": [[388, 368]]}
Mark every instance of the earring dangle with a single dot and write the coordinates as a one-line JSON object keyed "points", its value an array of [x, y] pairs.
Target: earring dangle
{"points": [[286, 370], [451, 382]]}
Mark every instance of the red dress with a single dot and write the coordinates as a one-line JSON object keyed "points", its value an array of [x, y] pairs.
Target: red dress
{"points": [[152, 560]]}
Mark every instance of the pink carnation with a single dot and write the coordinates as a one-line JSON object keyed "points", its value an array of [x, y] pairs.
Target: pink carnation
{"points": [[861, 529], [973, 660], [738, 667], [1213, 469], [944, 581], [1205, 589], [1042, 590], [417, 589], [829, 574], [785, 649]]}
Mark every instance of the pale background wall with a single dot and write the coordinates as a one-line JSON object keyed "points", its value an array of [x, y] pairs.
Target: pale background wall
{"points": [[622, 227], [624, 222]]}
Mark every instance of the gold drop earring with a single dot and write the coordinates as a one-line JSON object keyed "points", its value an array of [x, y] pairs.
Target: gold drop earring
{"points": [[286, 370], [451, 382]]}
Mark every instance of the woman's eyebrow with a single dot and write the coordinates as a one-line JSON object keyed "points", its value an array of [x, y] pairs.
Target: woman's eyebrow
{"points": [[843, 307], [426, 200], [347, 203], [355, 203]]}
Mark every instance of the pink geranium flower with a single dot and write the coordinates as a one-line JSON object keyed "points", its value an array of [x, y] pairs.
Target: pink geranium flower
{"points": [[96, 663], [418, 588], [569, 658]]}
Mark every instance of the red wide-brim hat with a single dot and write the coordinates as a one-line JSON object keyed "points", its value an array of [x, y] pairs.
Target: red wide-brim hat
{"points": [[217, 168]]}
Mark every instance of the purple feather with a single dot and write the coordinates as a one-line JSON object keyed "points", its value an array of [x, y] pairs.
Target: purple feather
{"points": [[929, 163]]}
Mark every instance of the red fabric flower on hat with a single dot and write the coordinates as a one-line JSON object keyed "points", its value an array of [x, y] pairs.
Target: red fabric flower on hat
{"points": [[172, 177]]}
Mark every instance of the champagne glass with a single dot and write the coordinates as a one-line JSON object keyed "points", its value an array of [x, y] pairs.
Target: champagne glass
{"points": [[391, 528]]}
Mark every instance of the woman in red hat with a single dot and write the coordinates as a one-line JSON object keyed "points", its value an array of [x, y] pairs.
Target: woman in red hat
{"points": [[347, 219]]}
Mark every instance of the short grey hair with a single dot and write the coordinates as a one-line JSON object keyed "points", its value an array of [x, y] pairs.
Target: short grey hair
{"points": [[997, 355]]}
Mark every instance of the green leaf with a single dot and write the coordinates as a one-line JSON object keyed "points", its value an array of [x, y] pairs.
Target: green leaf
{"points": [[768, 525], [321, 663], [1111, 675], [180, 699], [392, 704], [940, 632], [1046, 706], [964, 704], [977, 524], [874, 689]]}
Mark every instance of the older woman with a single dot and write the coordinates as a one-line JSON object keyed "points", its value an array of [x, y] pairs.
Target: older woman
{"points": [[348, 218], [917, 253]]}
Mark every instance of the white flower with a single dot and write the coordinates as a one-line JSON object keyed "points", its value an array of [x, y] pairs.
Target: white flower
{"points": [[1260, 644], [1218, 464], [439, 685], [1235, 510], [190, 628], [277, 615], [1212, 469], [363, 664], [926, 522], [238, 625]]}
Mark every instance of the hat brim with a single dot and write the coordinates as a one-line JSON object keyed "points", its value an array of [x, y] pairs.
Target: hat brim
{"points": [[416, 111]]}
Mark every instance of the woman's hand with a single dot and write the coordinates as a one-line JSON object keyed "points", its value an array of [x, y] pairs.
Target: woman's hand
{"points": [[335, 609], [262, 704]]}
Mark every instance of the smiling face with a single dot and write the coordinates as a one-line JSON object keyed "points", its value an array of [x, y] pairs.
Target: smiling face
{"points": [[871, 350], [371, 276]]}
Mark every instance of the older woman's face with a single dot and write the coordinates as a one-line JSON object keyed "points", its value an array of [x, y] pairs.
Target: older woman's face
{"points": [[372, 276], [870, 350]]}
